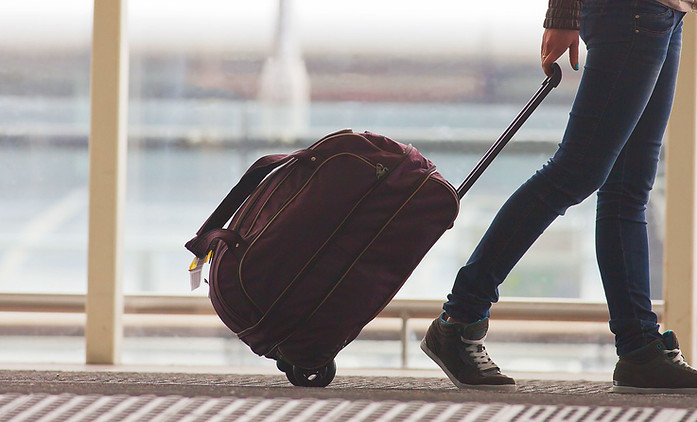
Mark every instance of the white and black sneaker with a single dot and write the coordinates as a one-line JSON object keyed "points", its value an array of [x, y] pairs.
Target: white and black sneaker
{"points": [[657, 368], [459, 350]]}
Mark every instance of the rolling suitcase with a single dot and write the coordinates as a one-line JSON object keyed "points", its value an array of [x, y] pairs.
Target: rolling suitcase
{"points": [[320, 240]]}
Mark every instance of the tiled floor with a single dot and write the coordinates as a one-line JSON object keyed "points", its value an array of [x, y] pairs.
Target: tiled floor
{"points": [[124, 408], [113, 395]]}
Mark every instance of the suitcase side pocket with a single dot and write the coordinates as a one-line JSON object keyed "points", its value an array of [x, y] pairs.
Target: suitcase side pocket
{"points": [[229, 300]]}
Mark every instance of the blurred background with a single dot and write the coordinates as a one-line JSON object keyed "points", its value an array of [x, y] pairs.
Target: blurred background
{"points": [[215, 84]]}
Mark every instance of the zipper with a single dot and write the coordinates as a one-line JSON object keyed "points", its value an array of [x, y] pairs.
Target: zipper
{"points": [[251, 226], [247, 207], [351, 132], [272, 219], [261, 208], [230, 314], [430, 170], [380, 171]]}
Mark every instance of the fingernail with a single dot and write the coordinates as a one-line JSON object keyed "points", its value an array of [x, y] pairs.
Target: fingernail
{"points": [[575, 66]]}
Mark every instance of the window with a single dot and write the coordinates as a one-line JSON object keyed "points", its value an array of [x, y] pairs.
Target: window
{"points": [[214, 85], [44, 123], [209, 86]]}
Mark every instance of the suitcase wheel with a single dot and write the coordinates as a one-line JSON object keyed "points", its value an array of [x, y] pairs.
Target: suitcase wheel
{"points": [[284, 366], [319, 377]]}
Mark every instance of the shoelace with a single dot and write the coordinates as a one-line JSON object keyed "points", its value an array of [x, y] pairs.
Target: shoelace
{"points": [[478, 353], [678, 358]]}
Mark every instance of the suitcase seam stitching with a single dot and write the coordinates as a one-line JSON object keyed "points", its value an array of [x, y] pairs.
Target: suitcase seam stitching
{"points": [[428, 177]]}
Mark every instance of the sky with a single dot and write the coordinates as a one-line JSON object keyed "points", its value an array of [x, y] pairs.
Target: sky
{"points": [[425, 27]]}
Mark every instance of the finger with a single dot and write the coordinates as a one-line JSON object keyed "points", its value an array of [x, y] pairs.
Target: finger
{"points": [[547, 62], [573, 55], [544, 60], [544, 55], [546, 67]]}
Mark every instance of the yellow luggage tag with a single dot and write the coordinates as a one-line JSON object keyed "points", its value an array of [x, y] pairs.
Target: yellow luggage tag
{"points": [[195, 270]]}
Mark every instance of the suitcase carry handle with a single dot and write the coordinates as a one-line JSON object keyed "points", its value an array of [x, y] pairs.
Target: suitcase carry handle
{"points": [[212, 228], [550, 83]]}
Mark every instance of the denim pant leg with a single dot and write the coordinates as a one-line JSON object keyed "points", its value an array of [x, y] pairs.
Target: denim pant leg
{"points": [[625, 57], [622, 245]]}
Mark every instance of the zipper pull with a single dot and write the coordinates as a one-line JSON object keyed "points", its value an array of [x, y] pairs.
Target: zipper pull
{"points": [[380, 170]]}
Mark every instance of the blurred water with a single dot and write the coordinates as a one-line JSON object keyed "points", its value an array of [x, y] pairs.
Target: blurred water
{"points": [[171, 191], [178, 172]]}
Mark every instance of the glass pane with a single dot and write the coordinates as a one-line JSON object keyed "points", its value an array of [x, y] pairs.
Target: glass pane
{"points": [[44, 125], [216, 86]]}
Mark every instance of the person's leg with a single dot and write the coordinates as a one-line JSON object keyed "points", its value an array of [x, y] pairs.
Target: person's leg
{"points": [[621, 236], [619, 77], [629, 41]]}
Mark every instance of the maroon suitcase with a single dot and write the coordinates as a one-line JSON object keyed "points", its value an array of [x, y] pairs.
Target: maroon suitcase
{"points": [[322, 239]]}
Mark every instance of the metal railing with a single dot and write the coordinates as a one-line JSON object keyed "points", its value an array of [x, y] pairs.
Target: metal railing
{"points": [[515, 309], [538, 309]]}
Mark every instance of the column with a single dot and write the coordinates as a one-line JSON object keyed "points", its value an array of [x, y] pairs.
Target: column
{"points": [[107, 148], [680, 252]]}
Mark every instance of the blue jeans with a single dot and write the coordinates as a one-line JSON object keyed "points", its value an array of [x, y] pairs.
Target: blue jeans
{"points": [[611, 145]]}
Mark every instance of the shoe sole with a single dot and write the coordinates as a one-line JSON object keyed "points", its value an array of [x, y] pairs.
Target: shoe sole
{"points": [[623, 389], [458, 384]]}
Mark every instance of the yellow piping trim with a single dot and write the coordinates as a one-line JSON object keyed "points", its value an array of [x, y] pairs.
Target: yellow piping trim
{"points": [[360, 255], [239, 268]]}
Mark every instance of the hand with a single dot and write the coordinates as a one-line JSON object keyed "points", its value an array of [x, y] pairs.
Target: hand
{"points": [[554, 43]]}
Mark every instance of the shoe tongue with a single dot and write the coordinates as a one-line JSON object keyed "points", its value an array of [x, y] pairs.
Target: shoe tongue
{"points": [[670, 340], [476, 330]]}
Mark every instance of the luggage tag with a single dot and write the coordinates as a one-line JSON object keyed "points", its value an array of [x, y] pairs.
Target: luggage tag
{"points": [[195, 270]]}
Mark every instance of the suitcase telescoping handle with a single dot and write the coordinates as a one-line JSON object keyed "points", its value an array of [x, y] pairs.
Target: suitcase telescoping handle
{"points": [[550, 83]]}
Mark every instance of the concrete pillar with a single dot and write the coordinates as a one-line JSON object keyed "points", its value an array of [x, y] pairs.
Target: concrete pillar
{"points": [[680, 246], [284, 85], [107, 181]]}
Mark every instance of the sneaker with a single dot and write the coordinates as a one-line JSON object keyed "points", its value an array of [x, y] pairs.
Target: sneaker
{"points": [[459, 350], [656, 368]]}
